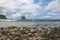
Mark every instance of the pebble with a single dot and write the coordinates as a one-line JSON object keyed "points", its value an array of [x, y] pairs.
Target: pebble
{"points": [[29, 33]]}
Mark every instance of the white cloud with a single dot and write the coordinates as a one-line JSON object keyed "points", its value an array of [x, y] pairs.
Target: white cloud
{"points": [[26, 6], [54, 5], [54, 8], [1, 1], [29, 8], [46, 17]]}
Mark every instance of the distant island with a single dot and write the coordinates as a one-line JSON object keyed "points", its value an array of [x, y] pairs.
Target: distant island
{"points": [[3, 17], [24, 19]]}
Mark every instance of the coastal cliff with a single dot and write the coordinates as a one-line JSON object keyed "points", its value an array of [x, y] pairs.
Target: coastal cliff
{"points": [[3, 17]]}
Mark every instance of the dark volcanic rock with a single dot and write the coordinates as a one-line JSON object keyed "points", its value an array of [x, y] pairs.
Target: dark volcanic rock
{"points": [[3, 17], [23, 18]]}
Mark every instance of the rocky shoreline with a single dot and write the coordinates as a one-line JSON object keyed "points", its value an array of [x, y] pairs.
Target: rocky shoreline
{"points": [[29, 33]]}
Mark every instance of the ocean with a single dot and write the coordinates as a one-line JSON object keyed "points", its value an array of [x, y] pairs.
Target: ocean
{"points": [[30, 24]]}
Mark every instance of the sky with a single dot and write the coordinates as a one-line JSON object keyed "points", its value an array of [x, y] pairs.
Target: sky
{"points": [[32, 9]]}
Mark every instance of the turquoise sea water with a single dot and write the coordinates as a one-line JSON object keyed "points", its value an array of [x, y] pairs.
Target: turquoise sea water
{"points": [[30, 24]]}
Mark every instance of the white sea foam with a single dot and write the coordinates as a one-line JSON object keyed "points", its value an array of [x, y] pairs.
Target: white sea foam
{"points": [[30, 24]]}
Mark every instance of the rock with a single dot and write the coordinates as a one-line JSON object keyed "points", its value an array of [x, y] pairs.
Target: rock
{"points": [[27, 33], [3, 17]]}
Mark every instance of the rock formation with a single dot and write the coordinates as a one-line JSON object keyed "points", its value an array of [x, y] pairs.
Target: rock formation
{"points": [[23, 18], [3, 17]]}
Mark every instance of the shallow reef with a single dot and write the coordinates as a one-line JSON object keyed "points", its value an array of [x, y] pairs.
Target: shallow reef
{"points": [[29, 33]]}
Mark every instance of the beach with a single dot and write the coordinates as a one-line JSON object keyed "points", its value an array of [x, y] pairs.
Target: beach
{"points": [[29, 33], [29, 30]]}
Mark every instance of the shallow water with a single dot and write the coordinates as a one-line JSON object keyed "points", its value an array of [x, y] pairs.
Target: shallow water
{"points": [[35, 24]]}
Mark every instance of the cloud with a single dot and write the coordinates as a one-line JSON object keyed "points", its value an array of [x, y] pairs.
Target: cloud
{"points": [[55, 9], [31, 8], [5, 11], [23, 7]]}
